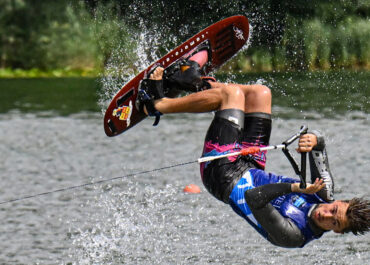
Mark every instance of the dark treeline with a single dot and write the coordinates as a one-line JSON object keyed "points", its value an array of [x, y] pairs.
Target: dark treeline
{"points": [[287, 35]]}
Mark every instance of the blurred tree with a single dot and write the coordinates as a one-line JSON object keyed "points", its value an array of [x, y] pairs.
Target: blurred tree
{"points": [[84, 33], [21, 26]]}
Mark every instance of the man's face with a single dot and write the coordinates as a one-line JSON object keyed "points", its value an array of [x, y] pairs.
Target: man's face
{"points": [[331, 216]]}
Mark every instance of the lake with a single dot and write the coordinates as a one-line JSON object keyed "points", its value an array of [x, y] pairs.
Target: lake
{"points": [[52, 137]]}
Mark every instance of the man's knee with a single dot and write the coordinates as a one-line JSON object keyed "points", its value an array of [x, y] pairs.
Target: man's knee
{"points": [[232, 91], [258, 93], [232, 96], [262, 91], [258, 99]]}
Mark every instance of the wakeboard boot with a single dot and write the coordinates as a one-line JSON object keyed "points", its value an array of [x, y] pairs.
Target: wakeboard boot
{"points": [[186, 74], [149, 91]]}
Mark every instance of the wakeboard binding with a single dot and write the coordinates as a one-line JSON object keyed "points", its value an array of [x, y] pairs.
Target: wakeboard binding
{"points": [[149, 91], [186, 73], [183, 75]]}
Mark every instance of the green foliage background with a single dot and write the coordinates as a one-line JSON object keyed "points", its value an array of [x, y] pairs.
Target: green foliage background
{"points": [[81, 37]]}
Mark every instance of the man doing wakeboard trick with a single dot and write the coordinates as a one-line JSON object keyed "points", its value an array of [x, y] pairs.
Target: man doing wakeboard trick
{"points": [[274, 205]]}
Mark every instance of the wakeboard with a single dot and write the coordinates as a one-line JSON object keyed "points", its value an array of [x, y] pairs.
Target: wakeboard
{"points": [[224, 39]]}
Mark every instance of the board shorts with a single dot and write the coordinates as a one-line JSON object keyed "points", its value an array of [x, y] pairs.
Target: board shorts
{"points": [[230, 131]]}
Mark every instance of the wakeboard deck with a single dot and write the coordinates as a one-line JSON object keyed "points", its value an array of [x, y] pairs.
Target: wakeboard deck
{"points": [[224, 39]]}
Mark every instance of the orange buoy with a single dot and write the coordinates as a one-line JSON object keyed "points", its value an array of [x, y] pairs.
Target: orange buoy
{"points": [[192, 188]]}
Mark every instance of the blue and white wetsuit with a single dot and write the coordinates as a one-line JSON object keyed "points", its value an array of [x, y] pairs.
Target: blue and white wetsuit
{"points": [[267, 203], [263, 199]]}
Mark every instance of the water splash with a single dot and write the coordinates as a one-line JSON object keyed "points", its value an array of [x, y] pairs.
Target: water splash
{"points": [[146, 46], [124, 226]]}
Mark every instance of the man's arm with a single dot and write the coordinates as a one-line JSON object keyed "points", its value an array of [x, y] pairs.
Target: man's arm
{"points": [[281, 231], [314, 143]]}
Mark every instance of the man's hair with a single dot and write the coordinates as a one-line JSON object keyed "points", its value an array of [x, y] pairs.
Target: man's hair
{"points": [[358, 214]]}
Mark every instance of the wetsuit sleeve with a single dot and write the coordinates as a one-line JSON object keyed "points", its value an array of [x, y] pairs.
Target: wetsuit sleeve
{"points": [[319, 166], [281, 231]]}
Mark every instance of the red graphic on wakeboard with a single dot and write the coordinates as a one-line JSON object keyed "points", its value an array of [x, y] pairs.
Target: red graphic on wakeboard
{"points": [[123, 113]]}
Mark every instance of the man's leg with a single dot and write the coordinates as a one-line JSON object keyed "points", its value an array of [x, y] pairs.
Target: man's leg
{"points": [[249, 98], [257, 98], [257, 120], [242, 120], [220, 96]]}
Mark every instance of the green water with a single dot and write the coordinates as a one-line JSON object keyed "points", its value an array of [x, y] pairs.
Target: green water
{"points": [[329, 94], [62, 96]]}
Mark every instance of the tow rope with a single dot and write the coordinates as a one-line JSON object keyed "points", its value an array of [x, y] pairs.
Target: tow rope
{"points": [[92, 183]]}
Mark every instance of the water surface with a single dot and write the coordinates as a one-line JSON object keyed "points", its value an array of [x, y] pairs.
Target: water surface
{"points": [[51, 136]]}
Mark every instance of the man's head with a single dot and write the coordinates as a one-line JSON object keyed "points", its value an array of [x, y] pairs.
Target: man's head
{"points": [[358, 214], [344, 216]]}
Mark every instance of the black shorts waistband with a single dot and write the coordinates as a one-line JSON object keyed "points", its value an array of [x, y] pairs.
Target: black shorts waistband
{"points": [[234, 115]]}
